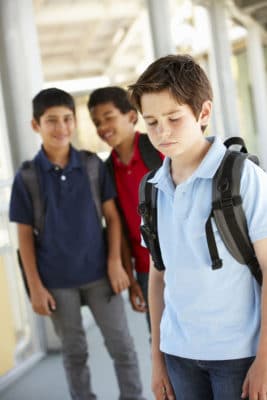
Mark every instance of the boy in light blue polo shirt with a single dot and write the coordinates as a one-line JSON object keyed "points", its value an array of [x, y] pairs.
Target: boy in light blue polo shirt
{"points": [[209, 327]]}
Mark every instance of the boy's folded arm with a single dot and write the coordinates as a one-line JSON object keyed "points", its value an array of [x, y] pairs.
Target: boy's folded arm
{"points": [[42, 301], [118, 277]]}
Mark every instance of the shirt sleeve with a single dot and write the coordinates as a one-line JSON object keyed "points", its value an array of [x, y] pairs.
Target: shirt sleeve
{"points": [[254, 194], [20, 207], [107, 186]]}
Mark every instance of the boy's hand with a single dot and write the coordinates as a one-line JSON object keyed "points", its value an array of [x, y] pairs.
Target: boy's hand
{"points": [[136, 297], [43, 303], [255, 384], [118, 277], [161, 386]]}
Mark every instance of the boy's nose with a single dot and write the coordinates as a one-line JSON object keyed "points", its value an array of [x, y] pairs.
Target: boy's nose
{"points": [[101, 129], [61, 125], [163, 129]]}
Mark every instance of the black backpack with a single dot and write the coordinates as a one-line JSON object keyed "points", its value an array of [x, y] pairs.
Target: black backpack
{"points": [[29, 174], [226, 210], [149, 155]]}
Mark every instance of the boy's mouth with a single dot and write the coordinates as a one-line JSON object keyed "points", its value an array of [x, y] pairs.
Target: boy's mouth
{"points": [[167, 144], [107, 135], [60, 137]]}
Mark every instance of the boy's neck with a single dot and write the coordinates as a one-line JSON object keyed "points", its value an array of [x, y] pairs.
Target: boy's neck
{"points": [[183, 166], [58, 157], [125, 149]]}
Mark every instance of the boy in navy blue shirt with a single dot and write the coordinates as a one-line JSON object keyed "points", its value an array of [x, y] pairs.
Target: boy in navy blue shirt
{"points": [[70, 264]]}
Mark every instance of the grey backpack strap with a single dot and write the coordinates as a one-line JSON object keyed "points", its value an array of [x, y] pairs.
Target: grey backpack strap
{"points": [[92, 164], [229, 216], [30, 179]]}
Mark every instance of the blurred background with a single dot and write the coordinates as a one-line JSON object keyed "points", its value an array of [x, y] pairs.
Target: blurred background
{"points": [[79, 45]]}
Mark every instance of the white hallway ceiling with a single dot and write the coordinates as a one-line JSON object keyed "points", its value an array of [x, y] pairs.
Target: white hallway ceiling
{"points": [[82, 39], [103, 38]]}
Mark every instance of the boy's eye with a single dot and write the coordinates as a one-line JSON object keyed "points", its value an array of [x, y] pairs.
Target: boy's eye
{"points": [[68, 119], [109, 118], [174, 119], [151, 123]]}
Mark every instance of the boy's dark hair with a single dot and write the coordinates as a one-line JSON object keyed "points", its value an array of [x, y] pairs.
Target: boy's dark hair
{"points": [[181, 75], [51, 97], [111, 94]]}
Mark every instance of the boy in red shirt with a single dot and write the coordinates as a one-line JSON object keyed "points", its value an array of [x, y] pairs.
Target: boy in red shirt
{"points": [[131, 158]]}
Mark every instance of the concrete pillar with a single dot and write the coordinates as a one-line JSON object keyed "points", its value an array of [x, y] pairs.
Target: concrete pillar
{"points": [[160, 23], [257, 72], [221, 49], [20, 73]]}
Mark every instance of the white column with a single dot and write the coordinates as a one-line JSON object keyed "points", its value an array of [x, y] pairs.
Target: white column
{"points": [[160, 23], [258, 81], [221, 49], [20, 73]]}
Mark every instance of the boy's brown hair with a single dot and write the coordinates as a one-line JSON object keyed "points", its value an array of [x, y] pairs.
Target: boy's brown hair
{"points": [[181, 75]]}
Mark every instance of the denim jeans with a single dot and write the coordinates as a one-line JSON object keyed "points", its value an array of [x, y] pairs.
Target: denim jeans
{"points": [[209, 380]]}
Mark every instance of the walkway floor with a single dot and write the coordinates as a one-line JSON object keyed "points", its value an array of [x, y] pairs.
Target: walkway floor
{"points": [[46, 381]]}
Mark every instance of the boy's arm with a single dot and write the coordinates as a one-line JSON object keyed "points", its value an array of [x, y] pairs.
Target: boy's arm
{"points": [[42, 301], [255, 384], [118, 277], [160, 382], [135, 293]]}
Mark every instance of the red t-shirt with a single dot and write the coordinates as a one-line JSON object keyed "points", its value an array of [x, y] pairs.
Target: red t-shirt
{"points": [[127, 179]]}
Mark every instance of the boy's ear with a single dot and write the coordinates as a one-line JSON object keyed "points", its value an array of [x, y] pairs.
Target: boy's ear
{"points": [[205, 113], [133, 116], [35, 125]]}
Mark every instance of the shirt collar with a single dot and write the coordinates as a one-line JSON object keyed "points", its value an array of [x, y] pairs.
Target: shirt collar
{"points": [[135, 156], [47, 165], [206, 169]]}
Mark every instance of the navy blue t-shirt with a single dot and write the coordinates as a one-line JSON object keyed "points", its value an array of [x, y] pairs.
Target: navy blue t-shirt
{"points": [[72, 249]]}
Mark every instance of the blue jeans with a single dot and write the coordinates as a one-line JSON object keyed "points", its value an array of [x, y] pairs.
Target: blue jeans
{"points": [[209, 380]]}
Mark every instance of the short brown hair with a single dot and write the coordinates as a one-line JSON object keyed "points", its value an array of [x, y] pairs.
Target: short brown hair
{"points": [[181, 75]]}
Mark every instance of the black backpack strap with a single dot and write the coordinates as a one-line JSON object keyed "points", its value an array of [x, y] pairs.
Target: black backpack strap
{"points": [[149, 154], [229, 215], [236, 141], [31, 181], [92, 164], [148, 211], [216, 261], [110, 167]]}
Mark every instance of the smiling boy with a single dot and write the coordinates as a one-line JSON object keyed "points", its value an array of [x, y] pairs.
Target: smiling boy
{"points": [[209, 327], [69, 264], [132, 156]]}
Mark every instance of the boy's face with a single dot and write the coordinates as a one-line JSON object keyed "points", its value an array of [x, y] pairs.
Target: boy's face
{"points": [[111, 124], [172, 128], [56, 127]]}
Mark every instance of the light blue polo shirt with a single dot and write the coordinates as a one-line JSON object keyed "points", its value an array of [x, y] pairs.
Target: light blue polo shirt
{"points": [[209, 314]]}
